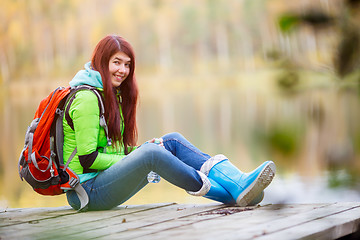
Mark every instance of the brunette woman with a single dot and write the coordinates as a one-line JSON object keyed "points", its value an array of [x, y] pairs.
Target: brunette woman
{"points": [[111, 174]]}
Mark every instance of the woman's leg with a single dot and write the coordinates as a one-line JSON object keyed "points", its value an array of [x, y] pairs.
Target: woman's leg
{"points": [[121, 181], [180, 147], [244, 188]]}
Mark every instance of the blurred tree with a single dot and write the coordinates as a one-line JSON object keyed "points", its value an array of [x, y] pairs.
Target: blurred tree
{"points": [[347, 59], [46, 39], [338, 154], [347, 55]]}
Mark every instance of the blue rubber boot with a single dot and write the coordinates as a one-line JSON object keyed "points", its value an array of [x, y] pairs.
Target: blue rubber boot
{"points": [[219, 194], [214, 191], [257, 199], [244, 187]]}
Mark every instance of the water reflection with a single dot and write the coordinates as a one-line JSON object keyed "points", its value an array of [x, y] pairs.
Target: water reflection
{"points": [[245, 117]]}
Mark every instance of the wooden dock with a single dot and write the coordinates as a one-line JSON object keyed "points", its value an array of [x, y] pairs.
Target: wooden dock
{"points": [[184, 221]]}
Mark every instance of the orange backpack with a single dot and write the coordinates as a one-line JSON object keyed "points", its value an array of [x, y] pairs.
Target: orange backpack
{"points": [[41, 161]]}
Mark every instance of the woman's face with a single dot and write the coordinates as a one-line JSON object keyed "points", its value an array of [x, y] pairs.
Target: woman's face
{"points": [[119, 68]]}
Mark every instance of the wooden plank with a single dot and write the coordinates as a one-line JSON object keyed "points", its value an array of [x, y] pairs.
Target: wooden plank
{"points": [[236, 226], [187, 221], [303, 218], [91, 217], [244, 225], [329, 227], [39, 214], [139, 220], [156, 224], [19, 216], [67, 221], [60, 223]]}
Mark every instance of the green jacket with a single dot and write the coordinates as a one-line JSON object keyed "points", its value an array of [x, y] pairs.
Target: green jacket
{"points": [[88, 136]]}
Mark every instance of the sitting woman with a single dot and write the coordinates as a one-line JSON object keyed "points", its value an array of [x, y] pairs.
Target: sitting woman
{"points": [[112, 174]]}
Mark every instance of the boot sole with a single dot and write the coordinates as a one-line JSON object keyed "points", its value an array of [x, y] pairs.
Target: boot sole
{"points": [[261, 182]]}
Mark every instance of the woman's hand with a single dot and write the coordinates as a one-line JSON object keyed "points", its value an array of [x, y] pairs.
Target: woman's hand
{"points": [[158, 141]]}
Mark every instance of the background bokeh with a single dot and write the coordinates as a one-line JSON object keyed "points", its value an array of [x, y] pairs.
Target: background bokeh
{"points": [[252, 79]]}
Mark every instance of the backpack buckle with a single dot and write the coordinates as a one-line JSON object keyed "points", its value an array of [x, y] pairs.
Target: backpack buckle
{"points": [[73, 182], [52, 172], [59, 111]]}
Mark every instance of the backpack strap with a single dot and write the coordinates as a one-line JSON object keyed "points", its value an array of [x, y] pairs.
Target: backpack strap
{"points": [[76, 186], [101, 108], [83, 197], [59, 130], [67, 115], [102, 117]]}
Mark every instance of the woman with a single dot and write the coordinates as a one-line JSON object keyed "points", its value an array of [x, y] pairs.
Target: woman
{"points": [[112, 174]]}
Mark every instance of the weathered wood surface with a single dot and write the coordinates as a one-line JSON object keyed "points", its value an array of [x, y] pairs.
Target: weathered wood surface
{"points": [[184, 221]]}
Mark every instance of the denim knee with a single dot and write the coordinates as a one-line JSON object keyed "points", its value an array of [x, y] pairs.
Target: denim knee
{"points": [[153, 154], [173, 135], [149, 148]]}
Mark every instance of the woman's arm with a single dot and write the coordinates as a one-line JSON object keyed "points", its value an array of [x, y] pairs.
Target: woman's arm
{"points": [[89, 136]]}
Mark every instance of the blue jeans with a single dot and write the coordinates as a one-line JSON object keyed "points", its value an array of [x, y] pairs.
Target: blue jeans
{"points": [[177, 163]]}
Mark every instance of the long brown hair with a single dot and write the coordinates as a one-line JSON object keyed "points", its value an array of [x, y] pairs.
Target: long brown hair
{"points": [[104, 50]]}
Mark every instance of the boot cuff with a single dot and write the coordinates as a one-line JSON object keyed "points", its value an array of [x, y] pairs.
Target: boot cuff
{"points": [[205, 187], [207, 166]]}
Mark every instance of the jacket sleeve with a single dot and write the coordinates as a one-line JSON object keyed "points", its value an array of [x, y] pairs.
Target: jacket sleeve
{"points": [[89, 136]]}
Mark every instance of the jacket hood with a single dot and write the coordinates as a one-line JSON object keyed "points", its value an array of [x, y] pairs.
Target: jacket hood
{"points": [[87, 76]]}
